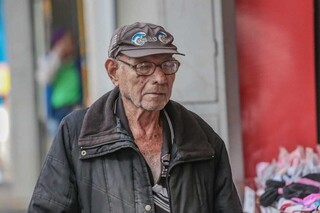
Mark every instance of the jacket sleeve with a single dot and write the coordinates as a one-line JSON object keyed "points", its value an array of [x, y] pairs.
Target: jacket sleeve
{"points": [[227, 200], [56, 191]]}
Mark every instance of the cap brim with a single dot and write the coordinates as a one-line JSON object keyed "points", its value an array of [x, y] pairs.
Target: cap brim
{"points": [[145, 52]]}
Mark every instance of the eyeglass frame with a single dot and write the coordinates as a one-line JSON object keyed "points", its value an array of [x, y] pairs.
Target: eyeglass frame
{"points": [[134, 67]]}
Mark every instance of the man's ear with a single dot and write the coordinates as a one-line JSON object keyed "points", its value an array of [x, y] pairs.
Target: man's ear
{"points": [[111, 66]]}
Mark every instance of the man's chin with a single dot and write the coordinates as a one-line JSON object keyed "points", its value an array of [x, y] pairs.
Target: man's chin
{"points": [[154, 106]]}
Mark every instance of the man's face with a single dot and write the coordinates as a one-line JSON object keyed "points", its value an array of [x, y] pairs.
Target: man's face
{"points": [[150, 93]]}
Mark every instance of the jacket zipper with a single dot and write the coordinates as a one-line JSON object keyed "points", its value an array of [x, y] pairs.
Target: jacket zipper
{"points": [[136, 148]]}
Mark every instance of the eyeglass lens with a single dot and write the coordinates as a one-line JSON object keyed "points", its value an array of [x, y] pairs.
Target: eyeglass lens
{"points": [[147, 68]]}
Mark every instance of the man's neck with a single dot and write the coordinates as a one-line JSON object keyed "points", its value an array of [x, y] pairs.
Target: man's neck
{"points": [[142, 123]]}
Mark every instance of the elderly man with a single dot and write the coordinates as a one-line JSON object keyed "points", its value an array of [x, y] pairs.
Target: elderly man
{"points": [[134, 150]]}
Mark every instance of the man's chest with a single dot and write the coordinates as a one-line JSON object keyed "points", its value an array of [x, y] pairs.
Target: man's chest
{"points": [[151, 151]]}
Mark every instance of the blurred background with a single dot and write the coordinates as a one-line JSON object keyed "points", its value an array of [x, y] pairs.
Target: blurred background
{"points": [[250, 70]]}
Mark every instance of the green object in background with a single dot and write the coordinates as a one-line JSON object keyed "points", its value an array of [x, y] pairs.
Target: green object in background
{"points": [[66, 87]]}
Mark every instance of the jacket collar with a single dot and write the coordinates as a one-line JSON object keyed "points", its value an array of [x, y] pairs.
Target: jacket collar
{"points": [[194, 138], [100, 126]]}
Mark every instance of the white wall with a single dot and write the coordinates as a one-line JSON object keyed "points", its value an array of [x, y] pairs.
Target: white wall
{"points": [[99, 18]]}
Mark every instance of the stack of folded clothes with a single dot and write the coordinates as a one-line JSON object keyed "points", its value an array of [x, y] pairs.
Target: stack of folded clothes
{"points": [[291, 183]]}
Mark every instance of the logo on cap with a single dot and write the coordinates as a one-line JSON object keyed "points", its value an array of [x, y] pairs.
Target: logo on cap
{"points": [[140, 38], [162, 36]]}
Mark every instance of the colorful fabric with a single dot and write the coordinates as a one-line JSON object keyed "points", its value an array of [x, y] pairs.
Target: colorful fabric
{"points": [[66, 87]]}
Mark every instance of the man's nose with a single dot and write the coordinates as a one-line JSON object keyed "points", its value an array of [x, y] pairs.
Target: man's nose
{"points": [[159, 76]]}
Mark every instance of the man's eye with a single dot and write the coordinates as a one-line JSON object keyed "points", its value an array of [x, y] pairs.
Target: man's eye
{"points": [[144, 66], [168, 65]]}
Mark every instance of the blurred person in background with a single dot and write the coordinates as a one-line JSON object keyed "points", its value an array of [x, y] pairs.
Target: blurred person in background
{"points": [[59, 73], [134, 150]]}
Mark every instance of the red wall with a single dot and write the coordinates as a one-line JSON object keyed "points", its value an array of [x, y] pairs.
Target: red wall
{"points": [[277, 82]]}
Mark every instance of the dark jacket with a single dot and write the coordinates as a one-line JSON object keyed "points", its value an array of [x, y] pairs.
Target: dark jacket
{"points": [[95, 166]]}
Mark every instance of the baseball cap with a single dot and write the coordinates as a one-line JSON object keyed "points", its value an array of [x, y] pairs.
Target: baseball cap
{"points": [[141, 39]]}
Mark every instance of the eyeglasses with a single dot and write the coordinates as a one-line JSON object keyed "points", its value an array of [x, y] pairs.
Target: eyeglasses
{"points": [[148, 68]]}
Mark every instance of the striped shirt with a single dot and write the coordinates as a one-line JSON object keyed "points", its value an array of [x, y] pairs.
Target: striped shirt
{"points": [[160, 192]]}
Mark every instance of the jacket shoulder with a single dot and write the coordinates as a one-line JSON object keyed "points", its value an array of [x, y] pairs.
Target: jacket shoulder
{"points": [[190, 126], [76, 116], [185, 113], [73, 123]]}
